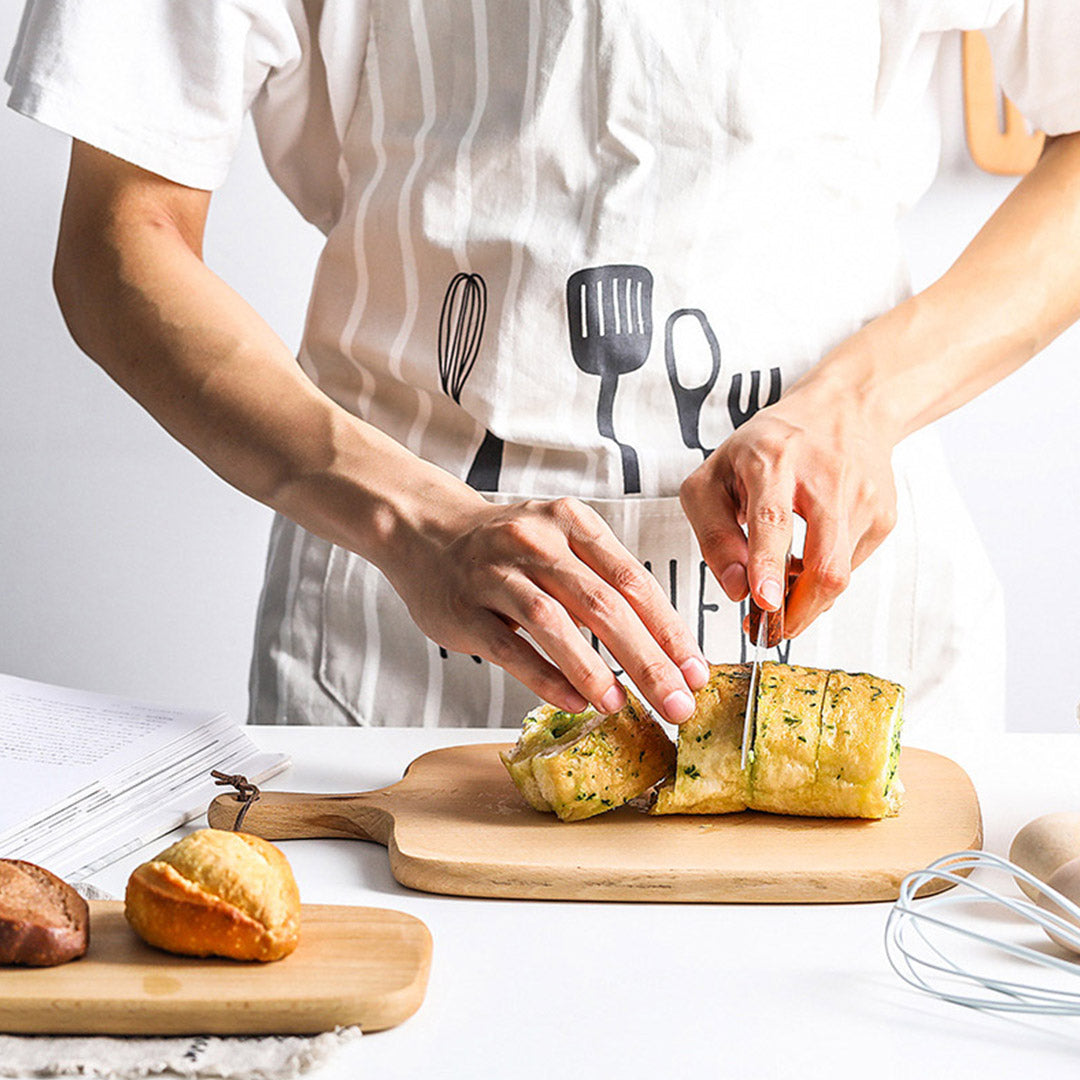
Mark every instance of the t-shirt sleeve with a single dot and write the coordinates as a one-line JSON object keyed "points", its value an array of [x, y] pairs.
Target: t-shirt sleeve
{"points": [[1036, 50], [163, 84]]}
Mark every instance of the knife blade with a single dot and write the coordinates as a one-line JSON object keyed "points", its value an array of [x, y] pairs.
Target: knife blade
{"points": [[770, 632], [750, 719]]}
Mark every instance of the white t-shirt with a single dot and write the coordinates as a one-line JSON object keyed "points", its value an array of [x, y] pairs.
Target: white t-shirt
{"points": [[570, 246]]}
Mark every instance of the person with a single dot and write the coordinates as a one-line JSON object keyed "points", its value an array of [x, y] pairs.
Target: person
{"points": [[612, 310]]}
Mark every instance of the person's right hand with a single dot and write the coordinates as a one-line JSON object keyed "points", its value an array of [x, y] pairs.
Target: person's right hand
{"points": [[548, 568]]}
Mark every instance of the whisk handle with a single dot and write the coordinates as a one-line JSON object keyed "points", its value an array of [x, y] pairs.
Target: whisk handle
{"points": [[487, 465]]}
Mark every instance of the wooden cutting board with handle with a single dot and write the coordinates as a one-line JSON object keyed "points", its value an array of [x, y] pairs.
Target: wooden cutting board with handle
{"points": [[354, 965], [456, 824]]}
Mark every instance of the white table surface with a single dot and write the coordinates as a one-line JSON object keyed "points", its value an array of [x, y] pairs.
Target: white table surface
{"points": [[540, 989]]}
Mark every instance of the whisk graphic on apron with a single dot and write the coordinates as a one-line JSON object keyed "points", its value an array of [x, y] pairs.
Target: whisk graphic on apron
{"points": [[461, 327]]}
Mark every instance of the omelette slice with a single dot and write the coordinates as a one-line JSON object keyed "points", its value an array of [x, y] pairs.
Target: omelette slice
{"points": [[860, 747], [708, 777], [581, 764], [783, 768], [827, 744]]}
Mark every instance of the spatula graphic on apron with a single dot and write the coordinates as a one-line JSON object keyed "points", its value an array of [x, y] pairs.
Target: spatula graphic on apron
{"points": [[609, 309], [461, 326], [690, 399]]}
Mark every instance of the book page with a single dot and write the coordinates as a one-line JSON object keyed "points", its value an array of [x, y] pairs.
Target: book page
{"points": [[54, 741]]}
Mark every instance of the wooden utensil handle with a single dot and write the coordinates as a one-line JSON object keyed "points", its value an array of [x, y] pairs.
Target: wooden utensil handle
{"points": [[294, 815]]}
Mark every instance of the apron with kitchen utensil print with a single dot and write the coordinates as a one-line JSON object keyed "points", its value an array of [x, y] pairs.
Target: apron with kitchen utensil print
{"points": [[580, 244]]}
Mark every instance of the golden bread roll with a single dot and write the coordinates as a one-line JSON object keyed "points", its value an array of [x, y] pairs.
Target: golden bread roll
{"points": [[216, 893], [826, 744], [578, 765]]}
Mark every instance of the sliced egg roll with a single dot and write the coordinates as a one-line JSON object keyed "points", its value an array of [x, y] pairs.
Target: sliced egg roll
{"points": [[827, 744], [708, 777], [787, 727], [860, 747], [581, 764], [541, 729]]}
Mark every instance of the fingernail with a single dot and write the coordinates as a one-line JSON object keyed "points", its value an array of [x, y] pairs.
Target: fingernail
{"points": [[772, 592], [574, 703], [733, 581], [679, 706], [695, 672], [613, 700]]}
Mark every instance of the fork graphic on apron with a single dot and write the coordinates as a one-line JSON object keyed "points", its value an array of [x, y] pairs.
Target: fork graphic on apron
{"points": [[736, 412], [609, 310]]}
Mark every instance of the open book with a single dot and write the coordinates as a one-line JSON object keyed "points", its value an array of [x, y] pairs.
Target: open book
{"points": [[86, 778]]}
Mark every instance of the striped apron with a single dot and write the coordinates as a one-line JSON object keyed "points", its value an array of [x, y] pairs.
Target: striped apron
{"points": [[519, 180]]}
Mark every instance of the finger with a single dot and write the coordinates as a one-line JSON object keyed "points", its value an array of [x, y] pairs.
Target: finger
{"points": [[544, 617], [749, 625], [606, 612], [826, 568], [510, 651], [614, 564], [883, 523], [713, 514], [769, 524]]}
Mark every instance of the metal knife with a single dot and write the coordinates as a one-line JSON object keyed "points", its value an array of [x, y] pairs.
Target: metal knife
{"points": [[750, 720], [768, 622]]}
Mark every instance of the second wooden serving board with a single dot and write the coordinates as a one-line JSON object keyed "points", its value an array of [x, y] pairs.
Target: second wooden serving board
{"points": [[456, 824], [354, 965]]}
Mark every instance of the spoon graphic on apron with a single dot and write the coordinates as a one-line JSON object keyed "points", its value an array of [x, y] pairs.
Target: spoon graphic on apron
{"points": [[690, 399], [609, 309], [461, 326]]}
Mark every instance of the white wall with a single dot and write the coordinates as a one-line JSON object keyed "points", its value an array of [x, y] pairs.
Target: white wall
{"points": [[126, 566]]}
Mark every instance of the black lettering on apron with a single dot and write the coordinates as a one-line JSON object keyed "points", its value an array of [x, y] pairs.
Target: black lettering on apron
{"points": [[703, 607]]}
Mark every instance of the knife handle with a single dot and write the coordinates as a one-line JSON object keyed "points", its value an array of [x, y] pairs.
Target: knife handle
{"points": [[774, 625]]}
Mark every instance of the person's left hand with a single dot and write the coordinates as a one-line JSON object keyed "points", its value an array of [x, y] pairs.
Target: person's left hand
{"points": [[815, 454]]}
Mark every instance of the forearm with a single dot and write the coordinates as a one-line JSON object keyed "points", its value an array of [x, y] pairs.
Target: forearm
{"points": [[140, 301], [1012, 291]]}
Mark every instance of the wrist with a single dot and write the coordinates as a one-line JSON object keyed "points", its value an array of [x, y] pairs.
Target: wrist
{"points": [[880, 373], [374, 497]]}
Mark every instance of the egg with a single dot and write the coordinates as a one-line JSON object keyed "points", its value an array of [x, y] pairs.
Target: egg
{"points": [[1066, 880], [1045, 844]]}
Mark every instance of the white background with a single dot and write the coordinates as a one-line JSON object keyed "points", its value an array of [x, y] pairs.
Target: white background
{"points": [[127, 567]]}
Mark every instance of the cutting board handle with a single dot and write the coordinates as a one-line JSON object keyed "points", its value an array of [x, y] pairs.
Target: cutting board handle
{"points": [[294, 815]]}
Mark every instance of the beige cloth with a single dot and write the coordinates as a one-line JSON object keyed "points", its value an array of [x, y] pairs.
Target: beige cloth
{"points": [[274, 1058]]}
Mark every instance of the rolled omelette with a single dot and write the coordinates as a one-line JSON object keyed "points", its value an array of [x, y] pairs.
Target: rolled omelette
{"points": [[578, 765], [708, 777], [827, 744]]}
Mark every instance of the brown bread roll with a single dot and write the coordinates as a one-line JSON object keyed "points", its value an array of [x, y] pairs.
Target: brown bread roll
{"points": [[43, 920], [216, 893]]}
